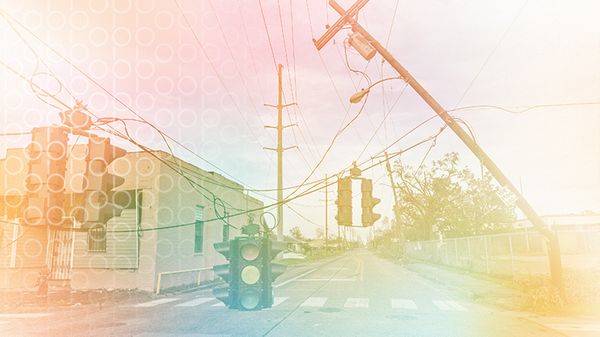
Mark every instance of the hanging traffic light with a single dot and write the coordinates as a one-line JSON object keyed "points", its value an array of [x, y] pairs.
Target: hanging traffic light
{"points": [[45, 181], [100, 203], [344, 202], [368, 202], [249, 273]]}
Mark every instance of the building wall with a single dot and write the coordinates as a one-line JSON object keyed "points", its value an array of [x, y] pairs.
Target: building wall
{"points": [[129, 261], [177, 201], [133, 260]]}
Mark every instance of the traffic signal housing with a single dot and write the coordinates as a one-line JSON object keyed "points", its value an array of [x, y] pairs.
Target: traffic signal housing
{"points": [[344, 202], [45, 181], [250, 272], [368, 202], [100, 203]]}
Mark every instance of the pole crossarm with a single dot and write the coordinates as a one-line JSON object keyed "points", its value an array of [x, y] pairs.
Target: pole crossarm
{"points": [[289, 148], [339, 24]]}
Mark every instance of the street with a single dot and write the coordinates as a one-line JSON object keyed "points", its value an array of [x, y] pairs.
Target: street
{"points": [[358, 294]]}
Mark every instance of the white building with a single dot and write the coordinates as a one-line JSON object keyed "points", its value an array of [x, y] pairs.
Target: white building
{"points": [[166, 230]]}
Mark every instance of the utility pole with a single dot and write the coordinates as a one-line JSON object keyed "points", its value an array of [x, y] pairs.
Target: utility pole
{"points": [[388, 167], [553, 244], [279, 151], [326, 217]]}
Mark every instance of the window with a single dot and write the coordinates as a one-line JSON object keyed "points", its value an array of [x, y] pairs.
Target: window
{"points": [[226, 227], [199, 229], [97, 239]]}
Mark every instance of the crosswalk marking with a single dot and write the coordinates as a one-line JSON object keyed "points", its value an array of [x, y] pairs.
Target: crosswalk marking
{"points": [[278, 300], [314, 302], [449, 305], [404, 304], [195, 302], [155, 302], [357, 303]]}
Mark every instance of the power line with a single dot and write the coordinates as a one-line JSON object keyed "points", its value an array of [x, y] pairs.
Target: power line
{"points": [[262, 12], [525, 109], [72, 64], [487, 59], [239, 7], [216, 72], [310, 190], [382, 121], [242, 77]]}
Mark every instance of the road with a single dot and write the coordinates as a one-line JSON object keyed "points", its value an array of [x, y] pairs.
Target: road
{"points": [[358, 294]]}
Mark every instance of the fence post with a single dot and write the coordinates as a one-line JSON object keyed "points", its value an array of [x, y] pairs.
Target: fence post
{"points": [[456, 263], [469, 248], [512, 257], [487, 258]]}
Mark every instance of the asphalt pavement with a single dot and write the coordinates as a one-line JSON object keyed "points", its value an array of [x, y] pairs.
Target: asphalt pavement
{"points": [[357, 294]]}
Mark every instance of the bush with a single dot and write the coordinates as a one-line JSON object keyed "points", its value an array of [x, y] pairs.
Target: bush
{"points": [[582, 293]]}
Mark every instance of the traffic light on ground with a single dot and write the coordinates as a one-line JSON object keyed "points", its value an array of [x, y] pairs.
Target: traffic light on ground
{"points": [[45, 181], [249, 274], [344, 202], [368, 202], [100, 203]]}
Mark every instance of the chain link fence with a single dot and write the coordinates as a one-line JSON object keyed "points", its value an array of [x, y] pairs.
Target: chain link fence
{"points": [[510, 254]]}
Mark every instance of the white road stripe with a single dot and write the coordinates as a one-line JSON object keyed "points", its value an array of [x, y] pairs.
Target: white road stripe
{"points": [[195, 302], [441, 305], [456, 306], [155, 302], [220, 304], [293, 279], [449, 306], [357, 303], [403, 304], [278, 300], [314, 302], [26, 315], [328, 279]]}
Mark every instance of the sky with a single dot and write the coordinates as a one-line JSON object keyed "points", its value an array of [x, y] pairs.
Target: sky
{"points": [[203, 70]]}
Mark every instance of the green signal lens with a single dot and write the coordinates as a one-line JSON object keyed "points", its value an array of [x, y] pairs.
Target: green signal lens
{"points": [[250, 299], [250, 275], [249, 251]]}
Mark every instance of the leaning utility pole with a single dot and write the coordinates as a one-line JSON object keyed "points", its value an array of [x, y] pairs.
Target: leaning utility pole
{"points": [[396, 204], [521, 202], [326, 217], [279, 151]]}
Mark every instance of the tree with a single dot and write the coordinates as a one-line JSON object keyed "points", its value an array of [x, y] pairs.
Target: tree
{"points": [[296, 233], [319, 233], [443, 199]]}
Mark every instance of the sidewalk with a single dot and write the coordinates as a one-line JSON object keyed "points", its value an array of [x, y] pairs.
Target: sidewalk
{"points": [[27, 300], [491, 291], [478, 288]]}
